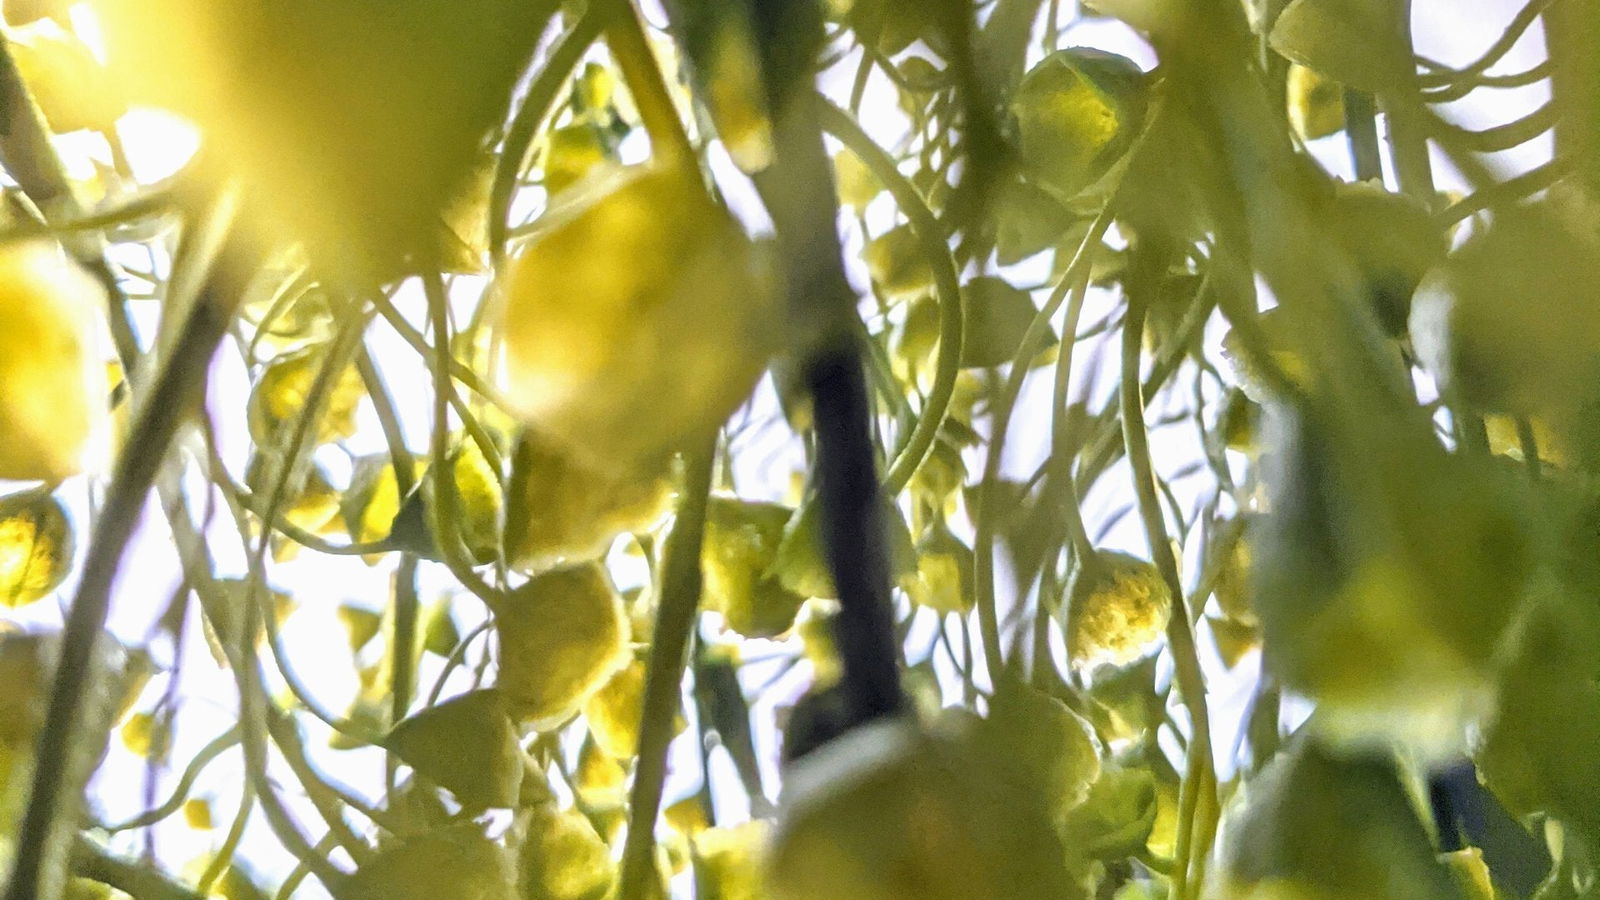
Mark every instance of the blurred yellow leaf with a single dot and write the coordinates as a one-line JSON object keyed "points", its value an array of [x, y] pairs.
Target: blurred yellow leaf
{"points": [[856, 184], [740, 550], [1540, 354], [456, 862], [727, 861], [562, 857], [638, 287], [197, 814], [600, 779], [561, 509], [372, 500], [146, 736], [280, 394], [1356, 42], [997, 316], [885, 812], [1039, 744], [616, 710], [944, 572], [571, 152], [71, 87], [1290, 834], [897, 263], [360, 623], [53, 392], [562, 636], [350, 130]]}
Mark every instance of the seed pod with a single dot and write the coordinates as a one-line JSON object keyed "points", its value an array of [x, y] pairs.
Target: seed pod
{"points": [[1117, 609]]}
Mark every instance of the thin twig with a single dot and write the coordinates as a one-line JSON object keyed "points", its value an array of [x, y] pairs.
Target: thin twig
{"points": [[680, 599]]}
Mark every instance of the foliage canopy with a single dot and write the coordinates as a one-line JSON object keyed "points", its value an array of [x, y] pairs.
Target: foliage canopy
{"points": [[855, 449]]}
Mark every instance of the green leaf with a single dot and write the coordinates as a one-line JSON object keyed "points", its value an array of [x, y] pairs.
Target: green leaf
{"points": [[1356, 42], [887, 811], [740, 560], [1541, 751], [1387, 581], [1076, 113], [1330, 826], [456, 862], [897, 264], [1394, 242], [1040, 744], [466, 744], [800, 566], [1538, 354], [1027, 220], [1116, 817], [997, 316]]}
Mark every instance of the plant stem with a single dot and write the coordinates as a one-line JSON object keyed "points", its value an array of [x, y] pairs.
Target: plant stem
{"points": [[443, 518], [1060, 442], [133, 877], [41, 852], [798, 192], [1200, 777], [669, 142], [946, 284], [680, 584], [1073, 280], [1361, 129], [1408, 138], [186, 781], [535, 108]]}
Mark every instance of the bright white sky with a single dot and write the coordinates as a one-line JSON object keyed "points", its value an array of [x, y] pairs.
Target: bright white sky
{"points": [[1452, 31]]}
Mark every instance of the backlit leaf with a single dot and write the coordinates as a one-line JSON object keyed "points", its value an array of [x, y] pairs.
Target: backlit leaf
{"points": [[562, 636], [36, 546], [466, 744]]}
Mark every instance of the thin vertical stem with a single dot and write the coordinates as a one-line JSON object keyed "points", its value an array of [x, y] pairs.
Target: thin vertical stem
{"points": [[680, 599], [1200, 778], [1361, 129]]}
